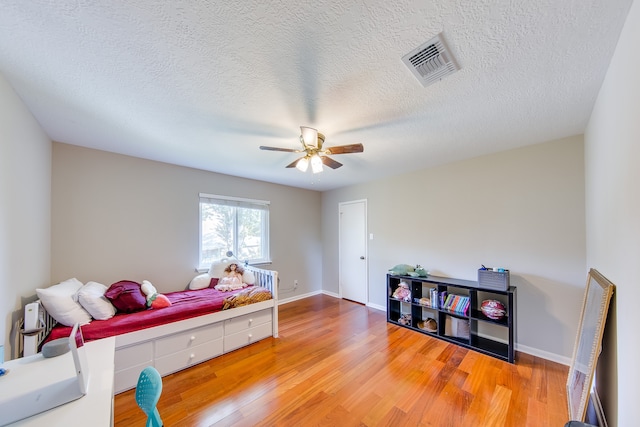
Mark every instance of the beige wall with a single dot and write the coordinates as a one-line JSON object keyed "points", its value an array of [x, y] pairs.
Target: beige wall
{"points": [[117, 217], [521, 209], [612, 148], [25, 212]]}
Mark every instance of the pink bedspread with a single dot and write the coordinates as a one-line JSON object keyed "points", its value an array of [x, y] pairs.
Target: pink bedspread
{"points": [[184, 305]]}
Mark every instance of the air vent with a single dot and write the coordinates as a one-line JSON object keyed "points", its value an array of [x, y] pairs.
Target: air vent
{"points": [[431, 62]]}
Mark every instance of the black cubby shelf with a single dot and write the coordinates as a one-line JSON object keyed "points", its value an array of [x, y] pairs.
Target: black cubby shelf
{"points": [[472, 329]]}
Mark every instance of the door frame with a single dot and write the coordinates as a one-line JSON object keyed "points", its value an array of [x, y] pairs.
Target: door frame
{"points": [[366, 247]]}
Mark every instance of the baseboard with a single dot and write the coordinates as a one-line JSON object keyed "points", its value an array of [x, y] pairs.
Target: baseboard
{"points": [[544, 354], [298, 297], [331, 294], [377, 307]]}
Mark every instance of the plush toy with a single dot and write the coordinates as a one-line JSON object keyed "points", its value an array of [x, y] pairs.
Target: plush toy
{"points": [[154, 299], [402, 270], [405, 319], [402, 292], [420, 271], [232, 279], [408, 270]]}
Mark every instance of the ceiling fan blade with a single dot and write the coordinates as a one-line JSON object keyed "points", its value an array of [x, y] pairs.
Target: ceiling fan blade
{"points": [[330, 162], [288, 150], [293, 164], [309, 136], [346, 149]]}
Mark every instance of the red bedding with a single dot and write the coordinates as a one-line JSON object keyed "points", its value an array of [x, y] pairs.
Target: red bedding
{"points": [[184, 305]]}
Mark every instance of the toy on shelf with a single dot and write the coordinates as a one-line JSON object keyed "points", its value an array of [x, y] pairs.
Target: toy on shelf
{"points": [[408, 270], [429, 325], [402, 292], [405, 319]]}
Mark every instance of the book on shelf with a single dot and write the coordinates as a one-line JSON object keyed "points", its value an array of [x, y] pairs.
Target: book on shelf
{"points": [[433, 293], [457, 303], [442, 297]]}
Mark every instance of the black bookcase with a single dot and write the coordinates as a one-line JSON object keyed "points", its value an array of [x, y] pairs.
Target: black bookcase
{"points": [[470, 328]]}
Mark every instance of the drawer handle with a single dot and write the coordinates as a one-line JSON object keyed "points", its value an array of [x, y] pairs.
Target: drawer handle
{"points": [[250, 336], [193, 338], [191, 356], [250, 320]]}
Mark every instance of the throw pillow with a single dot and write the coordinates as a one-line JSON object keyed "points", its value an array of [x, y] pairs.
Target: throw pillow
{"points": [[248, 277], [217, 268], [126, 296], [91, 297], [201, 281], [61, 301]]}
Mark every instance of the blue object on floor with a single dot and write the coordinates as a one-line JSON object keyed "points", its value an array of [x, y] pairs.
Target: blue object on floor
{"points": [[148, 393]]}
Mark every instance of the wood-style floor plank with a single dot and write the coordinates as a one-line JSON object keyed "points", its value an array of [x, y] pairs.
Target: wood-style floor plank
{"points": [[338, 363]]}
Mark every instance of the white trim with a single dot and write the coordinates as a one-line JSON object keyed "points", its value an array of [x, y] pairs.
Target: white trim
{"points": [[544, 354], [298, 297], [331, 294], [234, 199], [377, 307]]}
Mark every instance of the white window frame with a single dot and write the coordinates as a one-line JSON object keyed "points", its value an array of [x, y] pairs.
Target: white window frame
{"points": [[237, 202]]}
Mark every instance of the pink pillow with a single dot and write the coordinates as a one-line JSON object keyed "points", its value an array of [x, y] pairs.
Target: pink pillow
{"points": [[213, 282], [126, 296]]}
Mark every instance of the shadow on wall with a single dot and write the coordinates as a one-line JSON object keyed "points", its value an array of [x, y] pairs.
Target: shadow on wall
{"points": [[536, 327]]}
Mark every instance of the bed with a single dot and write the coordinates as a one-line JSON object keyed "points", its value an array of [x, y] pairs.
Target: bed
{"points": [[198, 325]]}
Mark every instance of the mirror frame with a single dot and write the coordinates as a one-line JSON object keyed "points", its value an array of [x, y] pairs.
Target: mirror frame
{"points": [[588, 343]]}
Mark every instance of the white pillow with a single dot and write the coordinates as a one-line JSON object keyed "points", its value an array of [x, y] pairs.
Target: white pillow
{"points": [[248, 277], [201, 281], [217, 269], [61, 301], [91, 297]]}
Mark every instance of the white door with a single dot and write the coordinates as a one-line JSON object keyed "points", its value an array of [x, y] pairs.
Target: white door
{"points": [[353, 251]]}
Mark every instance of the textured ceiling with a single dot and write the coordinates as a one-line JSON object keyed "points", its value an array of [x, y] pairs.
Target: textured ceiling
{"points": [[204, 84]]}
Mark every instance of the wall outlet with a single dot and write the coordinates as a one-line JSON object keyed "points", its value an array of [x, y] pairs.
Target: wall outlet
{"points": [[295, 284]]}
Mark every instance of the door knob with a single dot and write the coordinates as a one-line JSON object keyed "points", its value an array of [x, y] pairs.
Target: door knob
{"points": [[361, 257]]}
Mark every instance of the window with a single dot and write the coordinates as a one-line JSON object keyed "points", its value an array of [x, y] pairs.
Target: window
{"points": [[233, 224]]}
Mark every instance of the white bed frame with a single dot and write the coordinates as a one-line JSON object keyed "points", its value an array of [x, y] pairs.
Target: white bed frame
{"points": [[182, 344]]}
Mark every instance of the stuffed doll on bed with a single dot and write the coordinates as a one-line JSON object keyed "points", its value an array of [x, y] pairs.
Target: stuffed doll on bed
{"points": [[232, 278]]}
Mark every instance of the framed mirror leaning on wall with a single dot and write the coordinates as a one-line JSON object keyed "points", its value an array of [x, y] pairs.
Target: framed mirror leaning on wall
{"points": [[595, 306]]}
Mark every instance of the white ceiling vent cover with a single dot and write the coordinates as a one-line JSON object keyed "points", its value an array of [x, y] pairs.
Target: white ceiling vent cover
{"points": [[431, 61]]}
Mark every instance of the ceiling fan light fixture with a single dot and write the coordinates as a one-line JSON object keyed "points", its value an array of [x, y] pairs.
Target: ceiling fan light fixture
{"points": [[316, 163], [309, 136], [302, 164]]}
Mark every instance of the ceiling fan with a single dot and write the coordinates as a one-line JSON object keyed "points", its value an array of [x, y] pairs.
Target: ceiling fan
{"points": [[315, 155]]}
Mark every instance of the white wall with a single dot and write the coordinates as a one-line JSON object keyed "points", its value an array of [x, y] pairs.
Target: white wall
{"points": [[25, 213], [612, 152], [117, 217], [521, 209]]}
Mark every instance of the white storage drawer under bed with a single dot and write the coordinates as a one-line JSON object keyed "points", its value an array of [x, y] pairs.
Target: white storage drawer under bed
{"points": [[188, 339], [247, 336], [188, 357], [244, 322], [129, 362]]}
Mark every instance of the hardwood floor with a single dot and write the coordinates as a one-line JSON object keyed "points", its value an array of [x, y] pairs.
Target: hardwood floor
{"points": [[338, 363]]}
